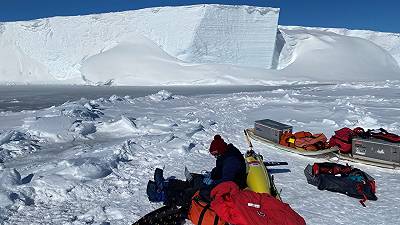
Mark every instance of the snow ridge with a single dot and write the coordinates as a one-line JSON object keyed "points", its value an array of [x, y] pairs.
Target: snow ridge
{"points": [[326, 55], [388, 41]]}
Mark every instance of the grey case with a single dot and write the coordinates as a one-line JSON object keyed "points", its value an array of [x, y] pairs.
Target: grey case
{"points": [[376, 150], [270, 129]]}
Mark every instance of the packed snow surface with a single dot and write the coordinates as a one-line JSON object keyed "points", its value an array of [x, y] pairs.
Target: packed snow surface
{"points": [[192, 45], [88, 161]]}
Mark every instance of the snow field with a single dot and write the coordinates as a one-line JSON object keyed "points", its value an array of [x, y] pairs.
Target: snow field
{"points": [[63, 175]]}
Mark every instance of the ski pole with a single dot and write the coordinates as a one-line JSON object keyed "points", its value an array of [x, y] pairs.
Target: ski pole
{"points": [[248, 140], [250, 151]]}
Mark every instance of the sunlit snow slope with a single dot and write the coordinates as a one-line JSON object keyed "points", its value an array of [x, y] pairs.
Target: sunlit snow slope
{"points": [[140, 62], [388, 41], [325, 55]]}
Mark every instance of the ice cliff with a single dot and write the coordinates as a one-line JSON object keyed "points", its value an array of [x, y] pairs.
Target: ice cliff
{"points": [[240, 35]]}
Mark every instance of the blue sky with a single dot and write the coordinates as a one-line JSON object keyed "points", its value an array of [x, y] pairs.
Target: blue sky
{"points": [[379, 15]]}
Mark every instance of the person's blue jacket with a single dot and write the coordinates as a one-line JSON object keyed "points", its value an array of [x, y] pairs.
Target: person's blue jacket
{"points": [[230, 166]]}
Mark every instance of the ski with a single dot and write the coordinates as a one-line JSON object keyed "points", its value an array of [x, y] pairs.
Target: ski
{"points": [[275, 163]]}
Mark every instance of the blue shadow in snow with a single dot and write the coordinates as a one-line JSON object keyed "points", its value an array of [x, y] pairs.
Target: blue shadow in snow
{"points": [[275, 171]]}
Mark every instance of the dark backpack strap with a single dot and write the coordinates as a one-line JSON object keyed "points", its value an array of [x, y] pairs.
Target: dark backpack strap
{"points": [[384, 135], [360, 132], [203, 212], [365, 183], [362, 201], [383, 130], [216, 219], [360, 190]]}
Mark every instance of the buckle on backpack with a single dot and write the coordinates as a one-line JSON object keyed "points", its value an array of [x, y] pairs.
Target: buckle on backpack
{"points": [[261, 213]]}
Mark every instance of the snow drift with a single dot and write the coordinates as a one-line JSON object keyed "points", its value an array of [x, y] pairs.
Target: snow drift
{"points": [[141, 62], [201, 45], [388, 41], [326, 55]]}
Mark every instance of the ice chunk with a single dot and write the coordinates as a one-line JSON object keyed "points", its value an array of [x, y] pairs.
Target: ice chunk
{"points": [[55, 128], [83, 127], [10, 177], [161, 95], [5, 199]]}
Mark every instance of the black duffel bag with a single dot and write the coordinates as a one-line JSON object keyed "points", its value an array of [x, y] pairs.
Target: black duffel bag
{"points": [[354, 182]]}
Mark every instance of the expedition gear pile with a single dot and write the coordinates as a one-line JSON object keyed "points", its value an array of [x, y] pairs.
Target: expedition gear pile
{"points": [[219, 208], [343, 179], [343, 137], [304, 140], [226, 194]]}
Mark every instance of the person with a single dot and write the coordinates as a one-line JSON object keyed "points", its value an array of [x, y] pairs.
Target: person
{"points": [[230, 163], [230, 166]]}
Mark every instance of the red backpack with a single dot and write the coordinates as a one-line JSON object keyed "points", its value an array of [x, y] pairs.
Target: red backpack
{"points": [[342, 139], [245, 207]]}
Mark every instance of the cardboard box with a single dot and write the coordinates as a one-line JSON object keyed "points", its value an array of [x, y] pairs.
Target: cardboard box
{"points": [[377, 150], [270, 130]]}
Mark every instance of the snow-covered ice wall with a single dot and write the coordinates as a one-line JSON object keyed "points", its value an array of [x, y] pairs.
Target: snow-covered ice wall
{"points": [[236, 35], [190, 45], [57, 47]]}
